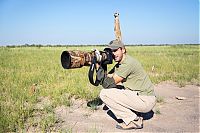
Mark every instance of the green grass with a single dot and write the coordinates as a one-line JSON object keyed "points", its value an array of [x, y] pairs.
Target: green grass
{"points": [[22, 67], [179, 63]]}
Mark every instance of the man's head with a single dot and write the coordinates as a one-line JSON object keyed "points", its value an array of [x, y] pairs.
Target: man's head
{"points": [[118, 49]]}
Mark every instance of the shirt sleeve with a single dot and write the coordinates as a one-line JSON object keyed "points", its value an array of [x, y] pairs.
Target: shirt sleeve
{"points": [[124, 70]]}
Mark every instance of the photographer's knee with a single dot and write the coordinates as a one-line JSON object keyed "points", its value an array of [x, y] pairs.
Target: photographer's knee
{"points": [[102, 94]]}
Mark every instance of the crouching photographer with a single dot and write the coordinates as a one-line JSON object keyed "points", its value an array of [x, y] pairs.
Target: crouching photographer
{"points": [[127, 90]]}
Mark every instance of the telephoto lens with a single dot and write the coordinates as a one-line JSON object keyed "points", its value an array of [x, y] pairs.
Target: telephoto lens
{"points": [[78, 59], [75, 59]]}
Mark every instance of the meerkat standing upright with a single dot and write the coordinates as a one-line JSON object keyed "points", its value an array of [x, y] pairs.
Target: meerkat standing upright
{"points": [[117, 27]]}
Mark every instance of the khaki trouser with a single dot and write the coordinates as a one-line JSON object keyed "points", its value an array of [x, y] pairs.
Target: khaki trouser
{"points": [[121, 101]]}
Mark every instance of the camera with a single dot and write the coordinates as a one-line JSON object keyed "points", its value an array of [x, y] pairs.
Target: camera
{"points": [[78, 59]]}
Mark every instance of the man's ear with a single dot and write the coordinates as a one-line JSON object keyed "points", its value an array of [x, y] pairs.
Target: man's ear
{"points": [[123, 50]]}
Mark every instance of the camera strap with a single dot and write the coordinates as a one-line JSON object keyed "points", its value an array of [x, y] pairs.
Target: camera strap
{"points": [[91, 73]]}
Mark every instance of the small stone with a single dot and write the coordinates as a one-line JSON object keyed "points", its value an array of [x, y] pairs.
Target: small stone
{"points": [[180, 98]]}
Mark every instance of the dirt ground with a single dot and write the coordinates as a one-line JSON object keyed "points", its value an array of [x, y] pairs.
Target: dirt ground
{"points": [[170, 115]]}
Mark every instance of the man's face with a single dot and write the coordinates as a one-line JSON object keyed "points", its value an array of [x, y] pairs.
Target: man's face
{"points": [[118, 54]]}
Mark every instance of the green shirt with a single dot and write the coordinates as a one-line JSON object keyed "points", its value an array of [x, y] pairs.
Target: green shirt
{"points": [[135, 78]]}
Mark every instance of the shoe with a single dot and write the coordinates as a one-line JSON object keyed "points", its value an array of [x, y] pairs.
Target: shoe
{"points": [[136, 124], [105, 107]]}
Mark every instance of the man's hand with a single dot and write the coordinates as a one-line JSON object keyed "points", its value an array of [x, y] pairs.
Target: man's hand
{"points": [[98, 55]]}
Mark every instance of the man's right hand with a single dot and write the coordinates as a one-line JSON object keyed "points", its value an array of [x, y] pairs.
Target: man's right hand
{"points": [[98, 55]]}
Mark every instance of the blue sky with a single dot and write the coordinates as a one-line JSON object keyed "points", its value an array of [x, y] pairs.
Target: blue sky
{"points": [[92, 21]]}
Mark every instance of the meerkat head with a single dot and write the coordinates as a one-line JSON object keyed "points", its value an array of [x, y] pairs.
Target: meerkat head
{"points": [[116, 14]]}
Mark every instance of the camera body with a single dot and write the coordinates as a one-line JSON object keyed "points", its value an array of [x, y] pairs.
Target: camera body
{"points": [[78, 59]]}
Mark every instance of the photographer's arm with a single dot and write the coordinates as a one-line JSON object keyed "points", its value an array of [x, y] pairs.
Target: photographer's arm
{"points": [[108, 80], [116, 78]]}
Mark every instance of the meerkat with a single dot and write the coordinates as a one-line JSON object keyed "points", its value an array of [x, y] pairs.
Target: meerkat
{"points": [[33, 89], [117, 27], [153, 69]]}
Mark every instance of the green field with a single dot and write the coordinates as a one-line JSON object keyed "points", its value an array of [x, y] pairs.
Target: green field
{"points": [[23, 68]]}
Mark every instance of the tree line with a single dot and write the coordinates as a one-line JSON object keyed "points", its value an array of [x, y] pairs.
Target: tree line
{"points": [[82, 45]]}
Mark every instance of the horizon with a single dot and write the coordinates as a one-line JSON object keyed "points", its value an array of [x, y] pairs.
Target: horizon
{"points": [[82, 45], [143, 22]]}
